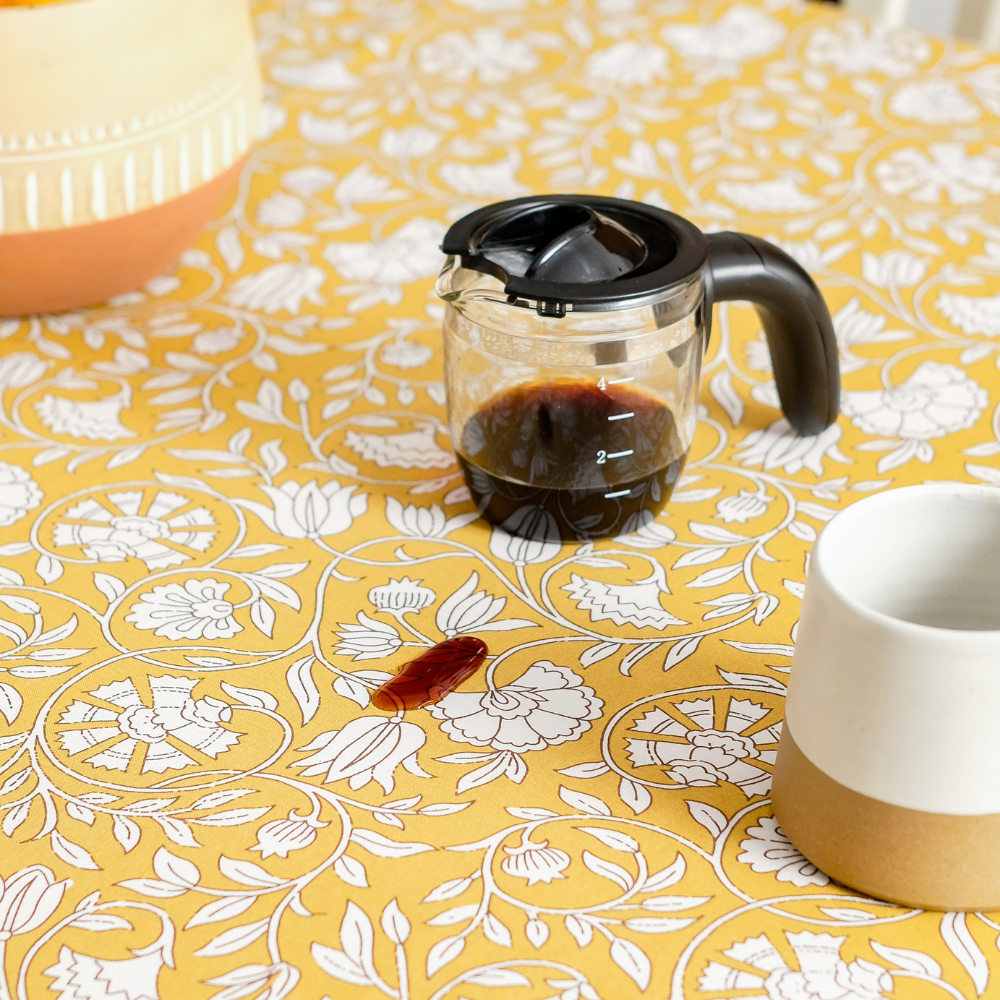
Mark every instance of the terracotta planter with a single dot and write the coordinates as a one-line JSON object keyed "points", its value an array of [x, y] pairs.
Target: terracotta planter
{"points": [[122, 125]]}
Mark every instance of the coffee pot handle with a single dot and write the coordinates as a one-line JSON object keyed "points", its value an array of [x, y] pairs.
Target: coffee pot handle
{"points": [[796, 321]]}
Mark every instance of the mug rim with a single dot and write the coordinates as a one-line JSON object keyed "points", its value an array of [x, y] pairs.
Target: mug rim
{"points": [[868, 504]]}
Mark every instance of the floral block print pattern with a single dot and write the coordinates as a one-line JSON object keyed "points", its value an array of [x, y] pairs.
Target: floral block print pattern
{"points": [[230, 511]]}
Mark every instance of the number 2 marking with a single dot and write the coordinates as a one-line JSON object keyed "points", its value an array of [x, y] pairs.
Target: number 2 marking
{"points": [[602, 457]]}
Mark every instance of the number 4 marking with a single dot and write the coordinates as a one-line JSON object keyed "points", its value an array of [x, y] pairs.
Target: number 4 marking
{"points": [[603, 384]]}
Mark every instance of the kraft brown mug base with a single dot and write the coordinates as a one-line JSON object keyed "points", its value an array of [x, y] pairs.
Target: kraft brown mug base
{"points": [[932, 861]]}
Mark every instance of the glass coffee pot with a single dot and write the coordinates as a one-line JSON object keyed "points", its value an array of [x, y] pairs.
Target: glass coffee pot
{"points": [[573, 337]]}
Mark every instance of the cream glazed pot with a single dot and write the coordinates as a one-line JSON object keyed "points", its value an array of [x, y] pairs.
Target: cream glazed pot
{"points": [[888, 770], [123, 124]]}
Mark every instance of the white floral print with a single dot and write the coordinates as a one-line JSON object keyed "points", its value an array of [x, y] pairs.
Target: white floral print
{"points": [[283, 835], [95, 421], [368, 640], [705, 756], [778, 196], [121, 525], [82, 977], [950, 171], [493, 180], [176, 717], [625, 604], [28, 898], [853, 47], [855, 326], [823, 972], [768, 850], [197, 610], [971, 313], [629, 63], [279, 287], [366, 749], [721, 47], [305, 181], [933, 102], [744, 507], [423, 522], [779, 447], [400, 596], [217, 341], [545, 706], [535, 862], [488, 53], [406, 255], [309, 511], [404, 354], [937, 399], [416, 449], [19, 493], [281, 211]]}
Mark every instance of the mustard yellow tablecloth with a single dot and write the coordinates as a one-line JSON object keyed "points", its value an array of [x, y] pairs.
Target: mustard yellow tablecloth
{"points": [[229, 509]]}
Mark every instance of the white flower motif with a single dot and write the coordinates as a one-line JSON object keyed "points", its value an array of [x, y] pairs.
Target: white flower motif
{"points": [[779, 447], [175, 717], [217, 341], [305, 181], [283, 835], [369, 640], [27, 899], [823, 972], [629, 63], [986, 83], [641, 530], [545, 706], [195, 611], [949, 170], [400, 596], [971, 313], [854, 325], [282, 211], [853, 47], [937, 399], [21, 368], [309, 511], [94, 420], [748, 505], [138, 530], [893, 269], [487, 180], [366, 749], [324, 74], [933, 102], [82, 977], [535, 862], [409, 143], [280, 286], [625, 604], [769, 850], [424, 522], [409, 254], [530, 535], [19, 493], [721, 47], [471, 610], [413, 450], [759, 354], [488, 52], [404, 354], [781, 195], [706, 756]]}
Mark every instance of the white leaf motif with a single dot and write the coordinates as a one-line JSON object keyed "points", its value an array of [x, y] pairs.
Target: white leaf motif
{"points": [[72, 854], [177, 870], [712, 819], [632, 960], [906, 958], [221, 909], [609, 870], [614, 839], [234, 939], [383, 847], [443, 952], [955, 932], [583, 802], [303, 687]]}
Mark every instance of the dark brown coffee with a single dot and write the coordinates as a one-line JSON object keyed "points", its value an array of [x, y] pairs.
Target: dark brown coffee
{"points": [[581, 452]]}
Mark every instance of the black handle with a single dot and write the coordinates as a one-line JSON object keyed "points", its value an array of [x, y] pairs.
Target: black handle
{"points": [[796, 321]]}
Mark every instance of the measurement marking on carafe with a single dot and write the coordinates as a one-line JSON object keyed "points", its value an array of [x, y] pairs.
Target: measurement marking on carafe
{"points": [[619, 381], [622, 416], [620, 454], [620, 493]]}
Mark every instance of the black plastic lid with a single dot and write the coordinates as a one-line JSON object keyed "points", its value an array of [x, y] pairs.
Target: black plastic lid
{"points": [[580, 251]]}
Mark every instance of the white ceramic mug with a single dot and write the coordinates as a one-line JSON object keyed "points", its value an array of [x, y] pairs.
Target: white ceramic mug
{"points": [[888, 769]]}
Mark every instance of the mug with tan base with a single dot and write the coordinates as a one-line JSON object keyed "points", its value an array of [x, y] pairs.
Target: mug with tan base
{"points": [[888, 771]]}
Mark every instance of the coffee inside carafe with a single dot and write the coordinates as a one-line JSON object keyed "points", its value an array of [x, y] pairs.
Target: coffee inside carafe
{"points": [[590, 454]]}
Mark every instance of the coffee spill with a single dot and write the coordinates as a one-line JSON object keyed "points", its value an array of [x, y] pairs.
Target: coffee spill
{"points": [[433, 674]]}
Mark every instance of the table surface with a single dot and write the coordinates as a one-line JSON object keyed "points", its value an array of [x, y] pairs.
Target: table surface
{"points": [[229, 509]]}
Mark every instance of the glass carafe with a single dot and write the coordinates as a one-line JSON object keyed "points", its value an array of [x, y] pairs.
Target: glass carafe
{"points": [[573, 338]]}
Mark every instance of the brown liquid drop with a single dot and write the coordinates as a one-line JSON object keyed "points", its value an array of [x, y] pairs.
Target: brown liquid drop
{"points": [[432, 675], [562, 448]]}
